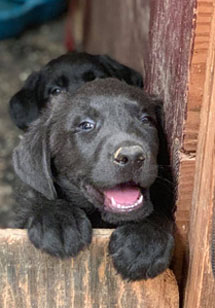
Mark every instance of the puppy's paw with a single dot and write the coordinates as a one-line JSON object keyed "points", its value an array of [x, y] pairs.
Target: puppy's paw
{"points": [[60, 233], [140, 252]]}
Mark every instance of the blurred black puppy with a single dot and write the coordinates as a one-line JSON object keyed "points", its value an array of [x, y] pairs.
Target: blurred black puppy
{"points": [[65, 73], [94, 154]]}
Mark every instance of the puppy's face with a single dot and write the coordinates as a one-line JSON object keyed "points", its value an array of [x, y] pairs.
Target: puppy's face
{"points": [[66, 73], [99, 147], [69, 72], [104, 147]]}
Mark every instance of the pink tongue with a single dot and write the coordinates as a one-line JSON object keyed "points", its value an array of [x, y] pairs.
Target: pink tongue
{"points": [[123, 194]]}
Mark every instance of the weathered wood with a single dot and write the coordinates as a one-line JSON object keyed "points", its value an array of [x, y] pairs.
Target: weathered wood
{"points": [[185, 189], [203, 21], [31, 279], [200, 286], [202, 38]]}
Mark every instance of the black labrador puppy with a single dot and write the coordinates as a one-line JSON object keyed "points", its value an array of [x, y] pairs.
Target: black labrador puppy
{"points": [[65, 73], [91, 160]]}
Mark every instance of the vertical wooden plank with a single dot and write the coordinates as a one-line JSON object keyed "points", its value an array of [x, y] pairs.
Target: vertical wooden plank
{"points": [[31, 279], [197, 74], [203, 23], [185, 190], [200, 286]]}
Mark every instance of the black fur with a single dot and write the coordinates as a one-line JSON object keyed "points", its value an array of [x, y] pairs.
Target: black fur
{"points": [[67, 160], [65, 73]]}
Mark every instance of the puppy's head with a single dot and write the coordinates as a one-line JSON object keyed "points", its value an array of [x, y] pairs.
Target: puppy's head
{"points": [[65, 73], [98, 148]]}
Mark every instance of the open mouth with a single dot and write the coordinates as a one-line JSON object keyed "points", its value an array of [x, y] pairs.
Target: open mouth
{"points": [[121, 198]]}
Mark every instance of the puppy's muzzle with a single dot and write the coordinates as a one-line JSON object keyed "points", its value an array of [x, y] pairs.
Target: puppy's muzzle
{"points": [[129, 156]]}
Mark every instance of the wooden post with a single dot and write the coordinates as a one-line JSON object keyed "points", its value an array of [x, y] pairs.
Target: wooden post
{"points": [[31, 279], [200, 286]]}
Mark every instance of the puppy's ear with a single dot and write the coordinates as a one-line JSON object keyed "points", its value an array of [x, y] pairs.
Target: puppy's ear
{"points": [[24, 105], [121, 72], [32, 161]]}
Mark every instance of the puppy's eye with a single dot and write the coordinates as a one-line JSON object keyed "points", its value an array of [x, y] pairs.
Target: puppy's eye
{"points": [[86, 125], [55, 91], [146, 119]]}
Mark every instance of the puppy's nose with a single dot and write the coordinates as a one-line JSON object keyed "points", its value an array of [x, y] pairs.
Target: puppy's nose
{"points": [[130, 155]]}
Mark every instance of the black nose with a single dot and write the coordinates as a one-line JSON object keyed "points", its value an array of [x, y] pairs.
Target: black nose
{"points": [[130, 155]]}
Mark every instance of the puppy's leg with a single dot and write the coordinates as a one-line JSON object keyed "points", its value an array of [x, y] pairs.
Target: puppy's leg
{"points": [[141, 250], [56, 227]]}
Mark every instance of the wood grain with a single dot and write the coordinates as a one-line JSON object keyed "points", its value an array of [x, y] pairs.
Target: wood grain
{"points": [[200, 286], [31, 279], [185, 190], [197, 74], [202, 35]]}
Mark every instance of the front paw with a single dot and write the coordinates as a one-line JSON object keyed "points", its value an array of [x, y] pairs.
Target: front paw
{"points": [[60, 232], [140, 252]]}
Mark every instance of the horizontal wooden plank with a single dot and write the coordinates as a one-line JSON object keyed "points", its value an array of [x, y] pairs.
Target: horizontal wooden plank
{"points": [[32, 279]]}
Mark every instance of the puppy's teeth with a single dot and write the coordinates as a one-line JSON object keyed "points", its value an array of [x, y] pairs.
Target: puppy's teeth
{"points": [[123, 206], [113, 201], [140, 200]]}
